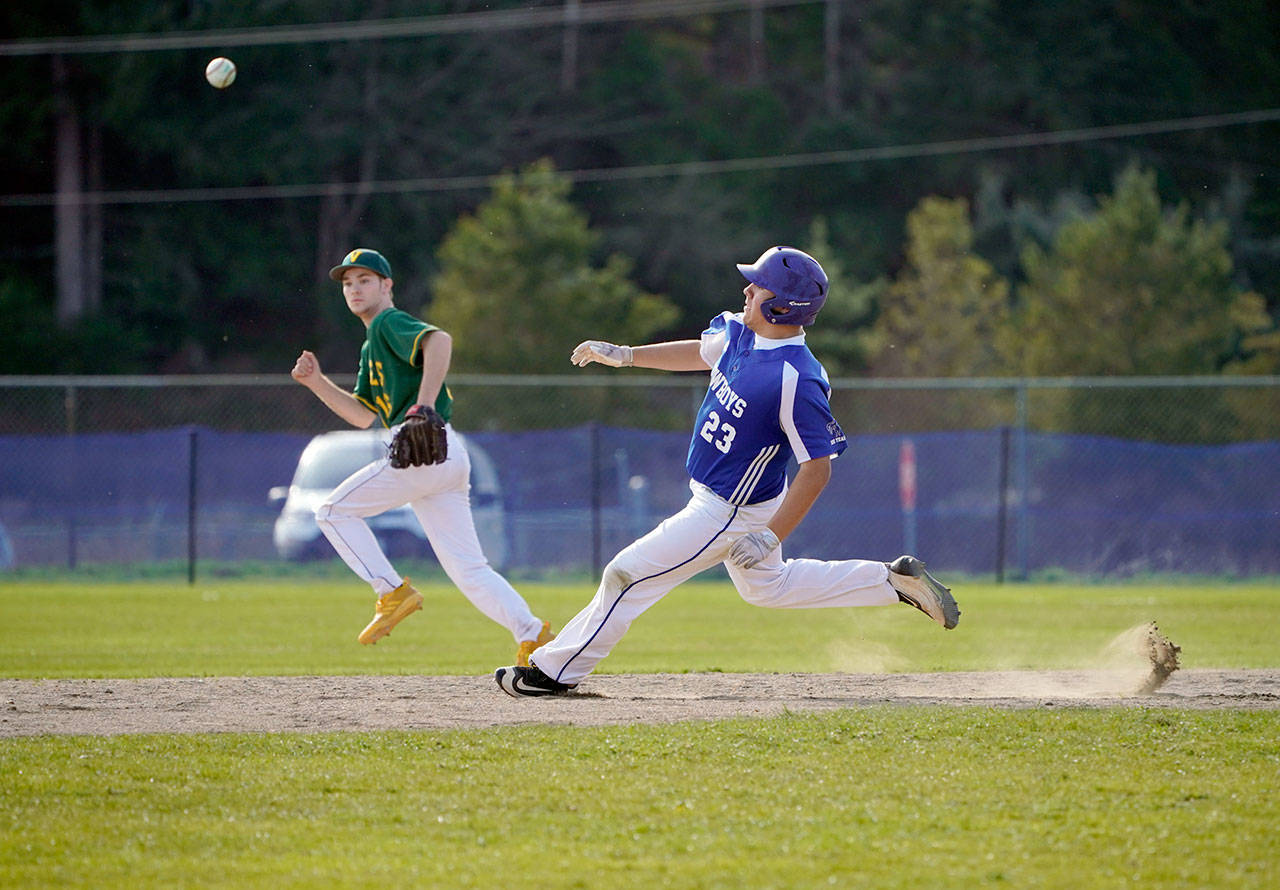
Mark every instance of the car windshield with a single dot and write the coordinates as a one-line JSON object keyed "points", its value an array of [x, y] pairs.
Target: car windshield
{"points": [[335, 461]]}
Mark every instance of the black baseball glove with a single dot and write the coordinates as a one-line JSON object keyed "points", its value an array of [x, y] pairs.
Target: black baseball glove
{"points": [[420, 439]]}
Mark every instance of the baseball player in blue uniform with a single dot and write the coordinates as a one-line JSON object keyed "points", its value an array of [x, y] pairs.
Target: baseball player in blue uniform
{"points": [[767, 402]]}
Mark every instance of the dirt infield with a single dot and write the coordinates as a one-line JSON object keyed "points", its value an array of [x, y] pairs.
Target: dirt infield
{"points": [[319, 704]]}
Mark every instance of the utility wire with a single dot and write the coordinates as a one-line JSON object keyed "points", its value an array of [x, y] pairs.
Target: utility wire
{"points": [[655, 171], [426, 26]]}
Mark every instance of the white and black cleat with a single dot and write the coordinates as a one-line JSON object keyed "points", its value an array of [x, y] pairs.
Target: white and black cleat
{"points": [[526, 682], [918, 588]]}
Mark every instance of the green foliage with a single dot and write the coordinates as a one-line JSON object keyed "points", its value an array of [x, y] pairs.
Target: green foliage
{"points": [[943, 313], [840, 337], [1127, 287], [30, 338], [1134, 289], [517, 287], [211, 285], [883, 796], [32, 341]]}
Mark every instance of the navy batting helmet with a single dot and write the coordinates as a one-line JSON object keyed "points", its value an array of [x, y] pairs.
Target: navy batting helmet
{"points": [[797, 281]]}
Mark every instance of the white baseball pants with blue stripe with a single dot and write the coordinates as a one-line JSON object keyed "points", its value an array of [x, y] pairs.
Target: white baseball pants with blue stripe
{"points": [[698, 538], [439, 495]]}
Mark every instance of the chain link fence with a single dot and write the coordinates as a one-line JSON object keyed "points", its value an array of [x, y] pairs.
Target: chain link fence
{"points": [[1115, 476]]}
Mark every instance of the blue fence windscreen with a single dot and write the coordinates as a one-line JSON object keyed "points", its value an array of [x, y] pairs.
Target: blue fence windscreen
{"points": [[987, 500]]}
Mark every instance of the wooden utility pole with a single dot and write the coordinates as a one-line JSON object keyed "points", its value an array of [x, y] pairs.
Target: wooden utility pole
{"points": [[569, 58], [756, 39], [93, 223], [68, 208], [831, 55]]}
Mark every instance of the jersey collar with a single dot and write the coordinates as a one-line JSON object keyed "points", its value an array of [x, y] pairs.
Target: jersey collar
{"points": [[767, 343]]}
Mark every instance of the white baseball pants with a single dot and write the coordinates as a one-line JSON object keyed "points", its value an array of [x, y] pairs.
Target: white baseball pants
{"points": [[439, 495], [697, 538]]}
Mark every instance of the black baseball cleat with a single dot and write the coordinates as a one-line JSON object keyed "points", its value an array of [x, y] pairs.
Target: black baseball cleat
{"points": [[918, 588], [526, 682]]}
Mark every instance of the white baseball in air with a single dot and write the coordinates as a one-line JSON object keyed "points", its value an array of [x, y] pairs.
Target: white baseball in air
{"points": [[220, 72]]}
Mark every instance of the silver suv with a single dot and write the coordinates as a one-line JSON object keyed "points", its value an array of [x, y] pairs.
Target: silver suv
{"points": [[331, 457]]}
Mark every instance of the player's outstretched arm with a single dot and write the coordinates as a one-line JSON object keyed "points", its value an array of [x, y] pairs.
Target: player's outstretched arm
{"points": [[676, 355], [306, 370]]}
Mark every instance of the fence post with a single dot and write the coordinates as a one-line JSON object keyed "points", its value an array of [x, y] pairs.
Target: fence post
{"points": [[1002, 508], [192, 511], [1023, 482], [71, 501], [595, 498], [69, 405]]}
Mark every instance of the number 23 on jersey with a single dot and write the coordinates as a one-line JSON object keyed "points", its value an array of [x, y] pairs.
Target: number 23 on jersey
{"points": [[717, 433]]}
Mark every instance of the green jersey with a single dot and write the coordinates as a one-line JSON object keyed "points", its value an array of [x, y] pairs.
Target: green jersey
{"points": [[391, 367]]}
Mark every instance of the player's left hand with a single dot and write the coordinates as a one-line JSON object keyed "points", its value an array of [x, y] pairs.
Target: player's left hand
{"points": [[420, 440], [752, 547]]}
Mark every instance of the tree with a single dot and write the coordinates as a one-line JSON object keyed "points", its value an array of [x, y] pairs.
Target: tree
{"points": [[188, 276], [517, 286], [1134, 289], [943, 314], [840, 339]]}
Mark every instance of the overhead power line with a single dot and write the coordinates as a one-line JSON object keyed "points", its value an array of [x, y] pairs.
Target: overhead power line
{"points": [[382, 29], [655, 171]]}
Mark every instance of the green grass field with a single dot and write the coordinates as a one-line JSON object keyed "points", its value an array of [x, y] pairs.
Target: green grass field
{"points": [[878, 797], [237, 627]]}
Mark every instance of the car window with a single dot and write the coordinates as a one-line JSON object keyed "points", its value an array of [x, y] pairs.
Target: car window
{"points": [[328, 466]]}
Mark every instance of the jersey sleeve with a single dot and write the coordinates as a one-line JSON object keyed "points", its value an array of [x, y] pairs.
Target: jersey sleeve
{"points": [[715, 338], [403, 335], [804, 412]]}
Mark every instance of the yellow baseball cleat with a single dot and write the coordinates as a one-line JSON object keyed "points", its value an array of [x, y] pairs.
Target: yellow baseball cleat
{"points": [[526, 647], [391, 609]]}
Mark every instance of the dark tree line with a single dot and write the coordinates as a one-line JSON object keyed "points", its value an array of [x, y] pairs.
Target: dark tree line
{"points": [[161, 278]]}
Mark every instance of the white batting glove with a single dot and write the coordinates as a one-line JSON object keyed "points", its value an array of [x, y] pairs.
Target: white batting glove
{"points": [[751, 548], [590, 351]]}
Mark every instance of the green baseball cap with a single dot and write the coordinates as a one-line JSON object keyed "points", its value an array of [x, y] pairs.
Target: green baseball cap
{"points": [[362, 258]]}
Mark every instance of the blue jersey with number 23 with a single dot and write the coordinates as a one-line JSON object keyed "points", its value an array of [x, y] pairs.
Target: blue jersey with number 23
{"points": [[768, 401]]}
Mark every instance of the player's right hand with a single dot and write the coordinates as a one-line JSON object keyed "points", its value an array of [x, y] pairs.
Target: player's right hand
{"points": [[751, 548], [589, 351], [306, 367]]}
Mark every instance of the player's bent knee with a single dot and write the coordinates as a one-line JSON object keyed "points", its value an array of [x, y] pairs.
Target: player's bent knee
{"points": [[616, 576], [765, 596], [328, 511]]}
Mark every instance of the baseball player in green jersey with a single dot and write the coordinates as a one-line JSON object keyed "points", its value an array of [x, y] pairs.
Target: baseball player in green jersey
{"points": [[403, 363]]}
